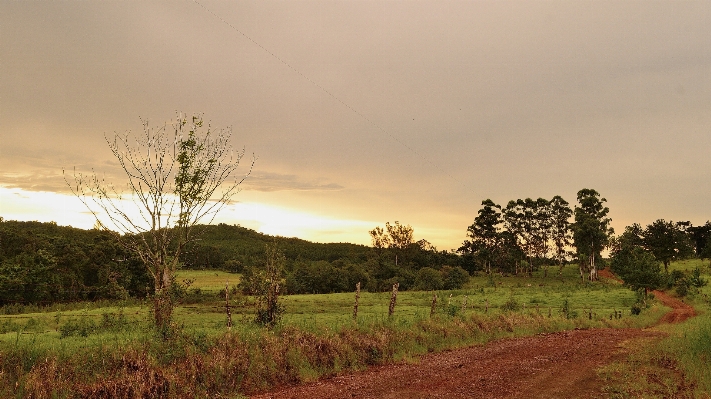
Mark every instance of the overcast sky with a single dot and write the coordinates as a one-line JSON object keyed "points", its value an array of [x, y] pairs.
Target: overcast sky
{"points": [[362, 112]]}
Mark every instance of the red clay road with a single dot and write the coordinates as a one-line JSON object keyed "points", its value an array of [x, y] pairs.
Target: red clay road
{"points": [[558, 365]]}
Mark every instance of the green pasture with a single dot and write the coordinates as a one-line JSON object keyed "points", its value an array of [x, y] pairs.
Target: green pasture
{"points": [[207, 280], [207, 316]]}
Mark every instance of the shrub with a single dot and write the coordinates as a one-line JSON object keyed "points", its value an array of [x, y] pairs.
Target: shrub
{"points": [[82, 327], [511, 305], [429, 279], [454, 277]]}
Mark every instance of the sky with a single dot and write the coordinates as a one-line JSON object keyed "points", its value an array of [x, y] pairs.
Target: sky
{"points": [[364, 112]]}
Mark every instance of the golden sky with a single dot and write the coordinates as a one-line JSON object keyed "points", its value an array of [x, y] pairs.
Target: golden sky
{"points": [[362, 112]]}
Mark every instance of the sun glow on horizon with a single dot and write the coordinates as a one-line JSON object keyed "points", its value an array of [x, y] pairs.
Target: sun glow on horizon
{"points": [[67, 210]]}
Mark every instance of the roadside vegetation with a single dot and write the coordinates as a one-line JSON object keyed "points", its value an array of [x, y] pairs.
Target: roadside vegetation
{"points": [[676, 365]]}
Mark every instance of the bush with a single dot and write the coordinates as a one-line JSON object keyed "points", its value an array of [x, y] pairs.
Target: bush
{"points": [[511, 305], [82, 327], [454, 277], [636, 309], [696, 279], [429, 279]]}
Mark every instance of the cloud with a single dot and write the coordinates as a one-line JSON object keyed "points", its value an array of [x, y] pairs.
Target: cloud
{"points": [[269, 181]]}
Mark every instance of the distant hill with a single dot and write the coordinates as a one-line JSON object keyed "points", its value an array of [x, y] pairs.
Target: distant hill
{"points": [[232, 247]]}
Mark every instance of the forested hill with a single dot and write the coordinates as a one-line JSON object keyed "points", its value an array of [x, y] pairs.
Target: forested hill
{"points": [[232, 247], [45, 263]]}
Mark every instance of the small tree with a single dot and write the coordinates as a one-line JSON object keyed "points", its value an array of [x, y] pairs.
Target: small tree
{"points": [[638, 268], [269, 310], [397, 237], [179, 175]]}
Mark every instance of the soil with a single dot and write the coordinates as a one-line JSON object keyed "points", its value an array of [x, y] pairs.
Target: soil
{"points": [[557, 365]]}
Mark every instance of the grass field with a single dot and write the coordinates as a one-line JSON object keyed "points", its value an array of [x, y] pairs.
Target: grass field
{"points": [[69, 336], [314, 312], [208, 280]]}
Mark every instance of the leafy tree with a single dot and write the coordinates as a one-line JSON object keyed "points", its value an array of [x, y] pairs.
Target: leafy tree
{"points": [[177, 176], [667, 241], [560, 215], [541, 232], [637, 268], [701, 238], [706, 252], [400, 238], [509, 253], [521, 218], [380, 239], [591, 230], [268, 286], [483, 234]]}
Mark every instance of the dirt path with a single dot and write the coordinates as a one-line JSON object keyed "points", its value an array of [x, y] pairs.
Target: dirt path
{"points": [[559, 365], [680, 310]]}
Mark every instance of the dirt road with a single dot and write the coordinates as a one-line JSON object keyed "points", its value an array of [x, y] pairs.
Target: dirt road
{"points": [[559, 365]]}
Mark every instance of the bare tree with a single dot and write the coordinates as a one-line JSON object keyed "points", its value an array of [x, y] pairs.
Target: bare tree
{"points": [[179, 175]]}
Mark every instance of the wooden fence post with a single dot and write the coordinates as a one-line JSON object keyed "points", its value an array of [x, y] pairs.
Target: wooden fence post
{"points": [[393, 300], [227, 305], [355, 307]]}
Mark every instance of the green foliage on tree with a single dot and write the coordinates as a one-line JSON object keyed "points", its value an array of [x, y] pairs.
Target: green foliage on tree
{"points": [[637, 268], [701, 239], [500, 238], [269, 283], [429, 279], [484, 240], [42, 263], [560, 229], [667, 241]]}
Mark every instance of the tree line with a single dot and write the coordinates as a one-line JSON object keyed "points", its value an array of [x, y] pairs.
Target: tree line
{"points": [[638, 254], [527, 234]]}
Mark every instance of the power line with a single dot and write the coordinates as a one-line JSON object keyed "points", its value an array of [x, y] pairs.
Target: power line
{"points": [[330, 94]]}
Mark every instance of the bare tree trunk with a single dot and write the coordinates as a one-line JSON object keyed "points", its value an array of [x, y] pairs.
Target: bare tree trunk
{"points": [[227, 305], [593, 270]]}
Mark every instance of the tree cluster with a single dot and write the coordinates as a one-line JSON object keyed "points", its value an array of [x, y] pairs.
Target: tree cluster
{"points": [[42, 263], [394, 258], [638, 253], [527, 234]]}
